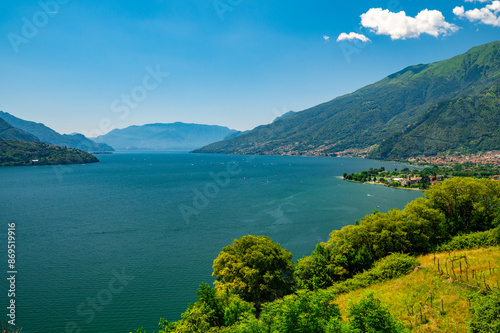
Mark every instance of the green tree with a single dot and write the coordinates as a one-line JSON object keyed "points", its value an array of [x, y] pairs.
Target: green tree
{"points": [[468, 204], [212, 310], [417, 229], [424, 225], [214, 314], [255, 268]]}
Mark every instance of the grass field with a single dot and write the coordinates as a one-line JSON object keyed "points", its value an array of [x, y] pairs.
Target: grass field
{"points": [[438, 295]]}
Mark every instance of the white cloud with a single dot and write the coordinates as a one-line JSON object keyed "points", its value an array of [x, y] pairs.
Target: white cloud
{"points": [[326, 38], [490, 14], [352, 36], [459, 11], [401, 26]]}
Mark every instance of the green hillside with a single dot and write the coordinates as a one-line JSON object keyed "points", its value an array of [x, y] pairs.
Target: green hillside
{"points": [[13, 153], [467, 124], [8, 132], [373, 113], [48, 135]]}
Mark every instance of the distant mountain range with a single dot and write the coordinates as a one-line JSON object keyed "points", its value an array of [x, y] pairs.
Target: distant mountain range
{"points": [[48, 135], [175, 136], [447, 106], [423, 109], [20, 148], [8, 132]]}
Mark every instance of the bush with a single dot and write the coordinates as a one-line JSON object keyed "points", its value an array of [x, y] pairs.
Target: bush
{"points": [[486, 317], [390, 267], [472, 241], [370, 315], [212, 310], [304, 312]]}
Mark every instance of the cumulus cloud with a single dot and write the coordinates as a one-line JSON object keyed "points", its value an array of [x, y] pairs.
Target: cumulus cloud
{"points": [[401, 26], [326, 38], [459, 11], [353, 36], [490, 14]]}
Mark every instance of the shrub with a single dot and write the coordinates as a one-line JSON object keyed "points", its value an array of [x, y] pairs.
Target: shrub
{"points": [[212, 310], [390, 267], [370, 315], [486, 317], [304, 312], [474, 240]]}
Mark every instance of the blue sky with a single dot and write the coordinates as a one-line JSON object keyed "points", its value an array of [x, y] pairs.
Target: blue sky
{"points": [[85, 66]]}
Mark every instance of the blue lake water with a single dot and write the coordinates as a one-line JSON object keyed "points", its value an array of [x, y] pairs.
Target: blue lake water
{"points": [[112, 246]]}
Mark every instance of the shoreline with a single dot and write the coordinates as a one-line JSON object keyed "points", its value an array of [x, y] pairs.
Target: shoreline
{"points": [[373, 183]]}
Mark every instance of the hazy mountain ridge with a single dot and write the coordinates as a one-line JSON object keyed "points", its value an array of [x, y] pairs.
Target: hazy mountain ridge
{"points": [[174, 136], [8, 132], [373, 113], [48, 135], [21, 148]]}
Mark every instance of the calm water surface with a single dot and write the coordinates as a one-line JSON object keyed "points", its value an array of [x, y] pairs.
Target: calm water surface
{"points": [[112, 246]]}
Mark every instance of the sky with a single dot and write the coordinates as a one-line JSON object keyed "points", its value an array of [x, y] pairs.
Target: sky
{"points": [[92, 66]]}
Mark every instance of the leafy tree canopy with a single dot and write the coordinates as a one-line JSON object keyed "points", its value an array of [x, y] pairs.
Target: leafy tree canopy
{"points": [[468, 204], [255, 268]]}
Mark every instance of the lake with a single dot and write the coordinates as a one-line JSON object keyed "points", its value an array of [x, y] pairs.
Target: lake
{"points": [[112, 246]]}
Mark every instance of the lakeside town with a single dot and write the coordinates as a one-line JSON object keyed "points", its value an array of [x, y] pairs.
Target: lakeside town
{"points": [[422, 179], [436, 169], [485, 158]]}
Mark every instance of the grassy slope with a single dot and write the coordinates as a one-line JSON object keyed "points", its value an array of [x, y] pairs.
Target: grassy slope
{"points": [[415, 289]]}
